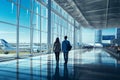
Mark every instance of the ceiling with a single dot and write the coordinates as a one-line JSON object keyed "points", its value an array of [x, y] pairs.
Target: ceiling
{"points": [[93, 13]]}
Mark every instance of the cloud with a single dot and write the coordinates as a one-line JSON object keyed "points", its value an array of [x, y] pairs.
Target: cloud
{"points": [[6, 32]]}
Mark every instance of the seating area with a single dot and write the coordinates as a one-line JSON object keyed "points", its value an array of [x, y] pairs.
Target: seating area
{"points": [[114, 48], [114, 51]]}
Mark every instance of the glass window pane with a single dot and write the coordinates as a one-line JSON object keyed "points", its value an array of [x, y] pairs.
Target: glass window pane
{"points": [[44, 11], [7, 40], [37, 7], [36, 41], [24, 41], [44, 24], [55, 28], [24, 17], [44, 45], [7, 11], [43, 37], [14, 0], [36, 21], [26, 3], [55, 36], [45, 1]]}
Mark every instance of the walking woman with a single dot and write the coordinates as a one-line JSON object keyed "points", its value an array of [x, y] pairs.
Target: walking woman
{"points": [[57, 49]]}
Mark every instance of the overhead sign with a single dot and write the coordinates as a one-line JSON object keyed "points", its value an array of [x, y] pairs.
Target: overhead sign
{"points": [[108, 37]]}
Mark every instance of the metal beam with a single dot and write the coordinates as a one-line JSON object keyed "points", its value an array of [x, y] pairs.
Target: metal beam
{"points": [[107, 14], [71, 5], [90, 11], [92, 1], [81, 15]]}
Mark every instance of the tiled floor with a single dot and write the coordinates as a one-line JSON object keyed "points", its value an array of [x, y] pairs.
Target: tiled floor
{"points": [[93, 64]]}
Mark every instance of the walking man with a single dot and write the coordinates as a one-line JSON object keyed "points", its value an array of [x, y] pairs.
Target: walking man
{"points": [[66, 47]]}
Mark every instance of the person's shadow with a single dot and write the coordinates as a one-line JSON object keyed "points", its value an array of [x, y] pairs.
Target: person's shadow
{"points": [[56, 76], [65, 76]]}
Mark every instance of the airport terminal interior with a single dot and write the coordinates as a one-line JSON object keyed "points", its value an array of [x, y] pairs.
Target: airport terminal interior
{"points": [[29, 28]]}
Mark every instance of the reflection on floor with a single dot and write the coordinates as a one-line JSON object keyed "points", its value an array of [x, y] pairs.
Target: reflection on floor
{"points": [[87, 65]]}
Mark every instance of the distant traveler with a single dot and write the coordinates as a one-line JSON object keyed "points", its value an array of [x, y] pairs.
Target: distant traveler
{"points": [[57, 49], [66, 47]]}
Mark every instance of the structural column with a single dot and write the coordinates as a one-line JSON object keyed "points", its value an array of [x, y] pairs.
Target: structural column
{"points": [[49, 26], [17, 31], [31, 27], [74, 36], [80, 32]]}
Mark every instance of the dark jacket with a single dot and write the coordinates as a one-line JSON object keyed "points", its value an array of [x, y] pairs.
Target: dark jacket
{"points": [[64, 46], [57, 47]]}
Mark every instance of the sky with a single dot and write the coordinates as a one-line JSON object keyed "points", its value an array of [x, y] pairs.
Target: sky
{"points": [[109, 31]]}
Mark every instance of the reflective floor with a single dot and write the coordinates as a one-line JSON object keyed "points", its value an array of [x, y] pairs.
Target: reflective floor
{"points": [[93, 64]]}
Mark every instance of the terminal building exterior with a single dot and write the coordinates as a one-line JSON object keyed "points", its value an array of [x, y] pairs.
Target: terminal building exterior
{"points": [[98, 36], [118, 33]]}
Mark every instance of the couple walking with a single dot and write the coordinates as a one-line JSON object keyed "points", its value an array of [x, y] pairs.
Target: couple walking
{"points": [[66, 47]]}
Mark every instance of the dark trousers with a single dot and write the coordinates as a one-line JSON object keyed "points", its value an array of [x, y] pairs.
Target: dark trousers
{"points": [[66, 57], [57, 56]]}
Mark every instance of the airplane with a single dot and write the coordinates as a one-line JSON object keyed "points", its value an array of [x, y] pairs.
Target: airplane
{"points": [[96, 45], [7, 47], [91, 45], [85, 46]]}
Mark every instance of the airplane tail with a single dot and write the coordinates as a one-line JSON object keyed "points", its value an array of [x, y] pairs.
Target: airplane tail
{"points": [[6, 46]]}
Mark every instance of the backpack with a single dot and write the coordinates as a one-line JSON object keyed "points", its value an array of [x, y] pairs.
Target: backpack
{"points": [[69, 47]]}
